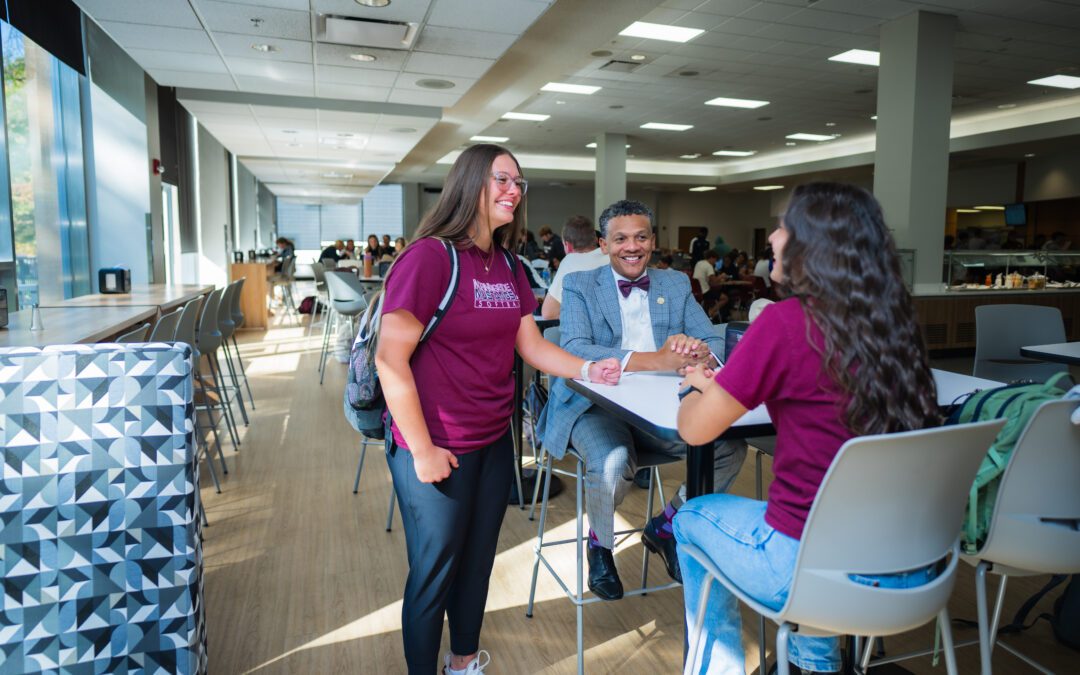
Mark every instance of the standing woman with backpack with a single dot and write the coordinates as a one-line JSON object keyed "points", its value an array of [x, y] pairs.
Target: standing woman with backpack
{"points": [[451, 397], [840, 357]]}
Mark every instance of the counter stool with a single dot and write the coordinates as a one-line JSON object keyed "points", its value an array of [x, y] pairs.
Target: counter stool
{"points": [[165, 328], [227, 327], [208, 339], [185, 332], [238, 319], [285, 279], [346, 300], [137, 335]]}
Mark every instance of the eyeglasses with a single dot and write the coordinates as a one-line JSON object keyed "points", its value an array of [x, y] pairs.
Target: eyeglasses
{"points": [[503, 180]]}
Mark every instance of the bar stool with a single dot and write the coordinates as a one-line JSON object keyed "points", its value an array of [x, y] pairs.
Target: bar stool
{"points": [[318, 270], [208, 339], [346, 300], [165, 328], [238, 319], [651, 461], [285, 279], [227, 327], [185, 332]]}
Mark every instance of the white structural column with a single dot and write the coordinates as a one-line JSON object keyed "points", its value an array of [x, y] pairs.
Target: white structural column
{"points": [[610, 171], [911, 165]]}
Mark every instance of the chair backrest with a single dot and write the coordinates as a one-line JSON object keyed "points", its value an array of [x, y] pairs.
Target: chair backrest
{"points": [[288, 267], [1000, 332], [137, 335], [237, 309], [384, 267], [318, 270], [346, 293], [189, 319], [209, 336], [226, 325], [539, 264], [1036, 522], [165, 328], [888, 504]]}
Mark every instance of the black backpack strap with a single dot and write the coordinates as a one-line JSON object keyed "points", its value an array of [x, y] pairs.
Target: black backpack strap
{"points": [[1019, 621], [451, 291]]}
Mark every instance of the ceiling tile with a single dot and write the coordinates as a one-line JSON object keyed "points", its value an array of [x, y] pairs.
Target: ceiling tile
{"points": [[276, 70], [266, 85], [356, 76], [423, 97], [410, 80], [232, 44], [338, 55], [460, 42], [353, 93], [486, 15], [186, 78], [136, 36], [152, 12], [298, 5], [443, 64], [227, 17], [398, 10], [154, 59]]}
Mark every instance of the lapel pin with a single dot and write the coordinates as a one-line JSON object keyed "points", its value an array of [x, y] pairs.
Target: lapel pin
{"points": [[660, 300]]}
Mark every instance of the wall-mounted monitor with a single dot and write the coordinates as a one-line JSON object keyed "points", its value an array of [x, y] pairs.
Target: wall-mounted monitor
{"points": [[1015, 214]]}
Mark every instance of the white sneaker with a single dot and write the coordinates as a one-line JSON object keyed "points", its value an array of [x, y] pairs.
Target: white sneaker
{"points": [[475, 666]]}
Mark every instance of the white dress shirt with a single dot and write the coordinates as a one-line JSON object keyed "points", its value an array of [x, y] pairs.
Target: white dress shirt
{"points": [[637, 329]]}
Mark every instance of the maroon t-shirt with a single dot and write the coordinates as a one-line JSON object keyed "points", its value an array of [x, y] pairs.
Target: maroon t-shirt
{"points": [[775, 364], [464, 370]]}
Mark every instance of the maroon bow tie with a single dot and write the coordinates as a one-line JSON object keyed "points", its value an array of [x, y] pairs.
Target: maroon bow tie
{"points": [[626, 286]]}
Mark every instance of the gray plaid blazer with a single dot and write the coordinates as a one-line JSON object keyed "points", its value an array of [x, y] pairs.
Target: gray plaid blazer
{"points": [[591, 327]]}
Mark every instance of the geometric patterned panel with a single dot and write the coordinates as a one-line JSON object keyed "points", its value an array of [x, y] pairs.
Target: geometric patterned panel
{"points": [[100, 530]]}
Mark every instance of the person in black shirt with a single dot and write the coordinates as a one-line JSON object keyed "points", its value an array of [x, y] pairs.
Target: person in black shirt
{"points": [[553, 246], [335, 251]]}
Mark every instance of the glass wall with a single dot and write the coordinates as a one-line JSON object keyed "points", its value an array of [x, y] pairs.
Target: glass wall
{"points": [[313, 226], [45, 165]]}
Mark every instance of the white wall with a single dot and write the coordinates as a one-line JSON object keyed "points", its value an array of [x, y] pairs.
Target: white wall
{"points": [[731, 215], [214, 211], [1052, 177], [122, 189]]}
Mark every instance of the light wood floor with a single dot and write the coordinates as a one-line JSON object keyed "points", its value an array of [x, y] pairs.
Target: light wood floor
{"points": [[302, 578]]}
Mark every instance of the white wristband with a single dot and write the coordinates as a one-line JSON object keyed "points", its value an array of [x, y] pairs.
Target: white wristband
{"points": [[585, 370]]}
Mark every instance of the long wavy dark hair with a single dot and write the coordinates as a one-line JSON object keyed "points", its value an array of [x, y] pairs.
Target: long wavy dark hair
{"points": [[841, 262], [459, 204]]}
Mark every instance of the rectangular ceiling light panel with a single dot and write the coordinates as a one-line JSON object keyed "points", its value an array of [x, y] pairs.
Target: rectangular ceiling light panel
{"points": [[664, 126], [565, 88], [1059, 81], [736, 102], [659, 31], [863, 57], [809, 137]]}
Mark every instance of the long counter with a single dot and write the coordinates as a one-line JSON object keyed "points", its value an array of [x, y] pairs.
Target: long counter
{"points": [[948, 318]]}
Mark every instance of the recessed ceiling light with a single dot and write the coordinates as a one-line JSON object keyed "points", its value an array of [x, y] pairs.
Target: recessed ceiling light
{"points": [[735, 153], [289, 131], [432, 83], [1006, 106], [528, 117], [570, 88], [295, 145], [790, 143], [617, 106], [489, 139], [345, 134], [1030, 155], [560, 102], [810, 137], [373, 3], [1060, 81], [264, 48], [703, 188], [967, 210], [989, 208], [403, 130], [765, 188], [365, 58], [736, 102], [863, 57], [637, 57], [600, 53], [664, 126], [830, 124], [592, 146], [693, 156], [335, 174], [873, 117], [659, 31]]}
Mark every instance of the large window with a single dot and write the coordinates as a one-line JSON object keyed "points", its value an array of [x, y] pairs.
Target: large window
{"points": [[44, 152], [312, 226]]}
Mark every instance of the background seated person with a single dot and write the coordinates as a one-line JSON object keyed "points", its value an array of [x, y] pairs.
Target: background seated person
{"points": [[350, 250], [334, 251], [582, 253], [705, 270], [649, 321], [825, 376], [665, 262]]}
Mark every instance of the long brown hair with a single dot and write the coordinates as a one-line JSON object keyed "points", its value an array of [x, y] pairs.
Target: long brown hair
{"points": [[459, 204], [841, 262]]}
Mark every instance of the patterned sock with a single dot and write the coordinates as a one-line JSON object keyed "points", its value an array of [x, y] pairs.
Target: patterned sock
{"points": [[593, 541], [662, 522]]}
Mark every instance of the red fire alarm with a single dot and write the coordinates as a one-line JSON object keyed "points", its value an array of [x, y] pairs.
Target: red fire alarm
{"points": [[158, 168]]}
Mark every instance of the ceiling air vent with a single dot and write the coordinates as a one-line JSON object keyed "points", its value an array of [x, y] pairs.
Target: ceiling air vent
{"points": [[620, 66], [356, 32]]}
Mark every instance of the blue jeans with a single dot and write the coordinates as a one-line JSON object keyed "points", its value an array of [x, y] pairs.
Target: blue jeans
{"points": [[732, 531]]}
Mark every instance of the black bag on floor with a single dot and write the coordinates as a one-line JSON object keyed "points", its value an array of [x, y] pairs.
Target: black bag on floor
{"points": [[1065, 618]]}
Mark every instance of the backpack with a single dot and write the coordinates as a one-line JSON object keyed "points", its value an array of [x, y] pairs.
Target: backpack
{"points": [[364, 404], [1016, 403], [1065, 617]]}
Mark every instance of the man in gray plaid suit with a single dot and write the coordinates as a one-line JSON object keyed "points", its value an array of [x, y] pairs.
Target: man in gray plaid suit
{"points": [[647, 318]]}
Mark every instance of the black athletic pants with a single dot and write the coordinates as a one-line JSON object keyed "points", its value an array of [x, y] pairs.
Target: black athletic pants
{"points": [[451, 533]]}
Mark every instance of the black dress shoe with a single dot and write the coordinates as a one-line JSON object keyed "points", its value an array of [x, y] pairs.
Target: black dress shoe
{"points": [[603, 579], [641, 478], [665, 548]]}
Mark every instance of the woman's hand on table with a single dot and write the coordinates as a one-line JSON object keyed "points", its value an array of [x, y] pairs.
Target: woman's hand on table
{"points": [[607, 371], [698, 377], [434, 464]]}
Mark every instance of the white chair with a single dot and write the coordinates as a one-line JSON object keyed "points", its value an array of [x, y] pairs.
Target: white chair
{"points": [[879, 511], [347, 299], [1000, 332], [577, 596], [1035, 527]]}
